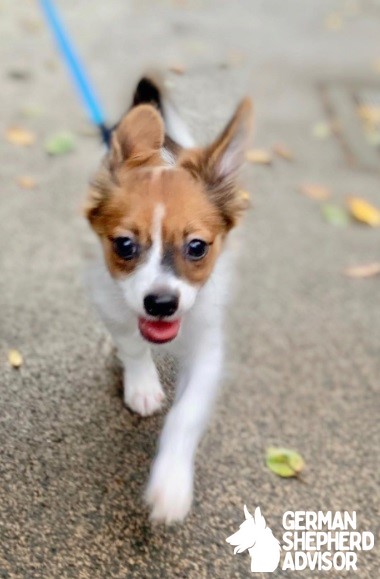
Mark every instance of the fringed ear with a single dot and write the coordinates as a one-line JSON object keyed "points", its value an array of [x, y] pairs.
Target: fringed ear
{"points": [[135, 140], [99, 190], [138, 135], [218, 165]]}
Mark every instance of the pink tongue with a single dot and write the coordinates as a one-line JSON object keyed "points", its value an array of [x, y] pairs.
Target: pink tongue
{"points": [[159, 332]]}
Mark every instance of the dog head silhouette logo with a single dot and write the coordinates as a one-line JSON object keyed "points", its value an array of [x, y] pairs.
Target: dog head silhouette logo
{"points": [[254, 535]]}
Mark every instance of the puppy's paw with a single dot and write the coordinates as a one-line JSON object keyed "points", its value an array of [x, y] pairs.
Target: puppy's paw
{"points": [[170, 490], [143, 394]]}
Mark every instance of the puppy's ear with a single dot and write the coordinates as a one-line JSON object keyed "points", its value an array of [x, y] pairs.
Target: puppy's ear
{"points": [[135, 140], [139, 134], [219, 164]]}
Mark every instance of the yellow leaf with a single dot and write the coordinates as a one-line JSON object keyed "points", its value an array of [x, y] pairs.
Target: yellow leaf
{"points": [[360, 271], [363, 211], [259, 156], [20, 136], [284, 152], [14, 358], [26, 182], [315, 191], [321, 130], [370, 114]]}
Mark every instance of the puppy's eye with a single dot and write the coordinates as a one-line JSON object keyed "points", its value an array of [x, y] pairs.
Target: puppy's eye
{"points": [[126, 248], [196, 249]]}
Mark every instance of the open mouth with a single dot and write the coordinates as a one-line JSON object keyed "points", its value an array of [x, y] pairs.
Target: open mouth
{"points": [[159, 331]]}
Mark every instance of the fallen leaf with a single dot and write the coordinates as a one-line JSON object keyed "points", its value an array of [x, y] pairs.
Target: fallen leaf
{"points": [[373, 137], [334, 22], [177, 68], [61, 143], [315, 191], [284, 462], [284, 152], [259, 156], [321, 130], [335, 214], [361, 271], [21, 74], [363, 211], [15, 358], [26, 182], [370, 114], [31, 111], [20, 136]]}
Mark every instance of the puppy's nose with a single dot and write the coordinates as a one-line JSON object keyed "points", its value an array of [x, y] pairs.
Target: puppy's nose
{"points": [[161, 305]]}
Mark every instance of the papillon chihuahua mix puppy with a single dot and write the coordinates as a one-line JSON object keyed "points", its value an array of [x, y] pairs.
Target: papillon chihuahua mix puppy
{"points": [[163, 210]]}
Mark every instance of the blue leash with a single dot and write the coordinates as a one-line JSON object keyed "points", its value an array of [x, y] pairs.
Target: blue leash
{"points": [[76, 69]]}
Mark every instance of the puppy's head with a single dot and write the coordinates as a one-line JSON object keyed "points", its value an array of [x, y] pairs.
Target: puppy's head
{"points": [[162, 226]]}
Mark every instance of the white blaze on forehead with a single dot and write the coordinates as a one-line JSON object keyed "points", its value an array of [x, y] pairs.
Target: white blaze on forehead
{"points": [[156, 233]]}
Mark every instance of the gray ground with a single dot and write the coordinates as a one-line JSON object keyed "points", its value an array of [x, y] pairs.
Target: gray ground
{"points": [[303, 365]]}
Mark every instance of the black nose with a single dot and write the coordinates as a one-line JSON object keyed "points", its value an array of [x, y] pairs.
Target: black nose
{"points": [[161, 305]]}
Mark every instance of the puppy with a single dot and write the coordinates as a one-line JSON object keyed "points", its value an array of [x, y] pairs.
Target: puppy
{"points": [[163, 210]]}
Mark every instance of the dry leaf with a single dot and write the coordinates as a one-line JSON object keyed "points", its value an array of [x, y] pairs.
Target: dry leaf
{"points": [[259, 156], [177, 68], [361, 271], [283, 152], [363, 211], [26, 182], [315, 191], [19, 136], [14, 358], [370, 114], [334, 22]]}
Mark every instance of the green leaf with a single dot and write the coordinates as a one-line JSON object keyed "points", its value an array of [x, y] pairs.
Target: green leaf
{"points": [[335, 214], [284, 462], [60, 143]]}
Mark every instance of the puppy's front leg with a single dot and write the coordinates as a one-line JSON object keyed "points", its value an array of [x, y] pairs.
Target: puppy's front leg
{"points": [[170, 488], [142, 389]]}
